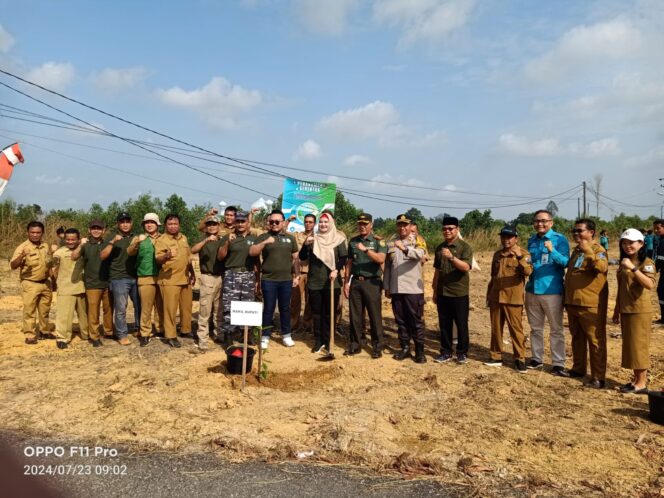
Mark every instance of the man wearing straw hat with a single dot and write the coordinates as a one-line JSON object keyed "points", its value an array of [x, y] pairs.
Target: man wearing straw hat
{"points": [[403, 283], [147, 270], [210, 282]]}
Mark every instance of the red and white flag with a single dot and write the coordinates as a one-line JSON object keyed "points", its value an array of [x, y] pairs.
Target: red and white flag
{"points": [[9, 157]]}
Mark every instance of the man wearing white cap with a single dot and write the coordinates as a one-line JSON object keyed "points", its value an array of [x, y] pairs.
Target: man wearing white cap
{"points": [[147, 269]]}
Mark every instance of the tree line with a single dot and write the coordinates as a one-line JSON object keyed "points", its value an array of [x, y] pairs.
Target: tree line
{"points": [[479, 226]]}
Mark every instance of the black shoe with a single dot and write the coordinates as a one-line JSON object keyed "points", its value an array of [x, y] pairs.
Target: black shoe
{"points": [[559, 371], [596, 384], [575, 375], [632, 389], [659, 322], [317, 348], [143, 341], [96, 343], [376, 353], [462, 359], [520, 367], [419, 354], [174, 343], [443, 358], [187, 336], [351, 351], [403, 354], [534, 364], [62, 345]]}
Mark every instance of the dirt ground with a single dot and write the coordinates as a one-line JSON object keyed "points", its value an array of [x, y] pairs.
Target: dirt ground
{"points": [[490, 429]]}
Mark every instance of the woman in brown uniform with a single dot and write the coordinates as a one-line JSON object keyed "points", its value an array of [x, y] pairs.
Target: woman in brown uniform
{"points": [[636, 276]]}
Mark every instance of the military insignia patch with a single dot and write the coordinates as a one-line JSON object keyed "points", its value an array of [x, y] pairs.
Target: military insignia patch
{"points": [[601, 255], [649, 268], [529, 260], [381, 243]]}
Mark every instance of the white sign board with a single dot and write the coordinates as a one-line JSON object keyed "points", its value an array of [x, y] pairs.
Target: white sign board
{"points": [[246, 313]]}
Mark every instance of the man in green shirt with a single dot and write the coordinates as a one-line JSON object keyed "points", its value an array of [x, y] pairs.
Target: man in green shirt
{"points": [[95, 278], [242, 271], [451, 286], [210, 282], [280, 273], [122, 276], [147, 269], [363, 286]]}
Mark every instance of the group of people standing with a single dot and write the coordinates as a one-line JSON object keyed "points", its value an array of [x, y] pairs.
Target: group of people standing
{"points": [[97, 275]]}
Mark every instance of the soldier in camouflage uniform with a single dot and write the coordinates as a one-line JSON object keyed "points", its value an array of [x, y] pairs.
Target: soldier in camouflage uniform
{"points": [[242, 274]]}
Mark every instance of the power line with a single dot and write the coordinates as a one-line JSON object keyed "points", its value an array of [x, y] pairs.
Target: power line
{"points": [[118, 137], [252, 163]]}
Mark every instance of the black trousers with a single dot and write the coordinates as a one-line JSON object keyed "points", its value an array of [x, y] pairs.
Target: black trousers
{"points": [[408, 310], [365, 294], [319, 303], [453, 310]]}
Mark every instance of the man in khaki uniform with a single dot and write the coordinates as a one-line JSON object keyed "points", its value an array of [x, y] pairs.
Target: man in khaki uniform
{"points": [[505, 295], [210, 283], [68, 273], [300, 293], [32, 258], [175, 279], [586, 300]]}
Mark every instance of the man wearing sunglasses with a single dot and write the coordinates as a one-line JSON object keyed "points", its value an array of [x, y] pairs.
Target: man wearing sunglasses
{"points": [[280, 272], [549, 251], [586, 300]]}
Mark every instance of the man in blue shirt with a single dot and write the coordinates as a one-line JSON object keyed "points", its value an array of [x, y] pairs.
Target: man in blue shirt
{"points": [[549, 251]]}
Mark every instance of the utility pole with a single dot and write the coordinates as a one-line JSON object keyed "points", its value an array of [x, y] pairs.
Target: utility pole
{"points": [[578, 208], [584, 199]]}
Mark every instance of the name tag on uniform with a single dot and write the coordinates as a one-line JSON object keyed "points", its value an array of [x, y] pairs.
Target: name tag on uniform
{"points": [[545, 258], [578, 262]]}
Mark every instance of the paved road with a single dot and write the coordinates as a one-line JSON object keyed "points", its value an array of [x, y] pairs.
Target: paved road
{"points": [[192, 475]]}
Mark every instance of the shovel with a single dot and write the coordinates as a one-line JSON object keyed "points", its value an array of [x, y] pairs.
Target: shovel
{"points": [[330, 354]]}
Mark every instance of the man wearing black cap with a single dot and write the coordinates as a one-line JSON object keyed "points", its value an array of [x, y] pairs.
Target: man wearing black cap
{"points": [[363, 286], [403, 283], [451, 286], [122, 273], [505, 295], [95, 278]]}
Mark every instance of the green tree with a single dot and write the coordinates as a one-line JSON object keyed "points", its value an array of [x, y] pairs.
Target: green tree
{"points": [[476, 220]]}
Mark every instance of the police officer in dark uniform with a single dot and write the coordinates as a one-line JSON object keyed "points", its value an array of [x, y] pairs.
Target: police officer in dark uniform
{"points": [[363, 286]]}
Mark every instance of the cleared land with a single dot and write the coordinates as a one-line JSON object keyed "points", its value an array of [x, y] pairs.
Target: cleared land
{"points": [[489, 429]]}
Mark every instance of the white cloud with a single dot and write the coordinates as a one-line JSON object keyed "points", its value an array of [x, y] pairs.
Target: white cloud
{"points": [[326, 17], [378, 121], [652, 157], [6, 40], [220, 102], [53, 75], [357, 159], [423, 20], [522, 146], [308, 150], [638, 97], [583, 46], [54, 180], [112, 80]]}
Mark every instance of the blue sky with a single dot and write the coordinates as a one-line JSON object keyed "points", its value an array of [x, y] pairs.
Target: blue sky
{"points": [[446, 105]]}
